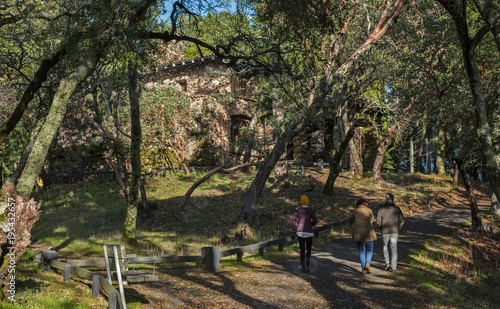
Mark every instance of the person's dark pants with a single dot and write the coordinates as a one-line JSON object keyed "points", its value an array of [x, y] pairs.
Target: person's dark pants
{"points": [[305, 245]]}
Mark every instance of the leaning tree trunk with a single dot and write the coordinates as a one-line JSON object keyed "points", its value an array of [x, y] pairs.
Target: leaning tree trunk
{"points": [[458, 13], [477, 223], [129, 227], [33, 87], [54, 119], [251, 197], [328, 189]]}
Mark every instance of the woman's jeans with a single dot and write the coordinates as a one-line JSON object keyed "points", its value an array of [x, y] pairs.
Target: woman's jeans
{"points": [[365, 252]]}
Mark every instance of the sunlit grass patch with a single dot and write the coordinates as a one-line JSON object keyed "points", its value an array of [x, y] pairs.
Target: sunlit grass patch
{"points": [[456, 272]]}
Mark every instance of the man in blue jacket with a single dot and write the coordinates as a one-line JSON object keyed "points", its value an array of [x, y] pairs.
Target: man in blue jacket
{"points": [[390, 219]]}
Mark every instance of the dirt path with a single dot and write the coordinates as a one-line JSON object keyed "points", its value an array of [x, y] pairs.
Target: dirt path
{"points": [[335, 280]]}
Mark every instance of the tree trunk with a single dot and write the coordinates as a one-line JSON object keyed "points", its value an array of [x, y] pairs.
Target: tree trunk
{"points": [[24, 158], [252, 195], [379, 159], [247, 155], [495, 205], [356, 164], [129, 227], [328, 189], [483, 131], [456, 174], [421, 144], [412, 156], [49, 129], [477, 223], [33, 87], [216, 170], [281, 168], [490, 12], [428, 157], [439, 168], [21, 214]]}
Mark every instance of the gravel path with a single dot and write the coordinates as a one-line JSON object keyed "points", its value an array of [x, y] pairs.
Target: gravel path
{"points": [[335, 280]]}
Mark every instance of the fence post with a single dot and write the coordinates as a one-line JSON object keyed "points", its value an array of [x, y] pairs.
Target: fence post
{"points": [[95, 285], [112, 299], [212, 258], [43, 259], [321, 165], [67, 272]]}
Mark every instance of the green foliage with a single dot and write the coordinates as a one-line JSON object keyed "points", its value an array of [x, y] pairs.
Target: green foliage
{"points": [[219, 29], [164, 113]]}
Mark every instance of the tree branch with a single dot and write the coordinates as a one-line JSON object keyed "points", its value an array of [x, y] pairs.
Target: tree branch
{"points": [[216, 170]]}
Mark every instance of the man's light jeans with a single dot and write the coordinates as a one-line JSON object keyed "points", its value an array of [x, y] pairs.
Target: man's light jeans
{"points": [[391, 241]]}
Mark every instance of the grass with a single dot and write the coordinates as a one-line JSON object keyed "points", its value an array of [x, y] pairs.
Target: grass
{"points": [[76, 220], [37, 290], [460, 270]]}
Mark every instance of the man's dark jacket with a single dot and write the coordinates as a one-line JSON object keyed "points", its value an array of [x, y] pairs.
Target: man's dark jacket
{"points": [[390, 218]]}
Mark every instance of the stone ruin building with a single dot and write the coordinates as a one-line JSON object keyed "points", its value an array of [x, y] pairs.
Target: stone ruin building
{"points": [[222, 101]]}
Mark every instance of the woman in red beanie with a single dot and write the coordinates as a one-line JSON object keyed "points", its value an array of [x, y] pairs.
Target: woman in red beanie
{"points": [[304, 218]]}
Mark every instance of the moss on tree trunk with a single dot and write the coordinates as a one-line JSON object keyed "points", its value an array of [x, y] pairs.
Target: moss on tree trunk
{"points": [[129, 228]]}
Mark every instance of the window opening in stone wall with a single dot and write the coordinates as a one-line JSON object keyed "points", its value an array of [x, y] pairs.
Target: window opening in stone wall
{"points": [[183, 84], [238, 86], [238, 122]]}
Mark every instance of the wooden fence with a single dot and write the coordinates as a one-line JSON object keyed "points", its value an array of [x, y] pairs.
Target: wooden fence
{"points": [[48, 260], [58, 178], [210, 258]]}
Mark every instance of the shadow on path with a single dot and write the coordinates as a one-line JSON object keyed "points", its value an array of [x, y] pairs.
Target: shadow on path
{"points": [[335, 280], [336, 272]]}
